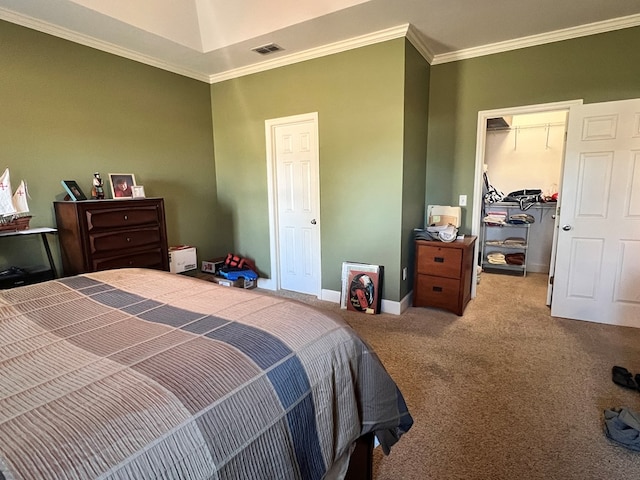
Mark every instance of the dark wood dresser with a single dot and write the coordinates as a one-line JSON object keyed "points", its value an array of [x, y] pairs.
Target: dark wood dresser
{"points": [[103, 234], [443, 274]]}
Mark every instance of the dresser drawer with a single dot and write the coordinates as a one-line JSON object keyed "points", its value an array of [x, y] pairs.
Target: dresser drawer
{"points": [[147, 259], [119, 240], [437, 292], [441, 261], [104, 218]]}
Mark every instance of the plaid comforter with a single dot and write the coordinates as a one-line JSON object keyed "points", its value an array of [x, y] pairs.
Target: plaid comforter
{"points": [[143, 374]]}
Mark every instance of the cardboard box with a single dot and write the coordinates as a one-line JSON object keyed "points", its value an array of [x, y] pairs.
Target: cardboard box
{"points": [[182, 258], [212, 266]]}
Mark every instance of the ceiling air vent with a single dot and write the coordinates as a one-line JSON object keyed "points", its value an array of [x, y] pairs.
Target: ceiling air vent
{"points": [[267, 49]]}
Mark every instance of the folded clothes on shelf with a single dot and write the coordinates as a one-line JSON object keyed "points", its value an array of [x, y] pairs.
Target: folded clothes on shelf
{"points": [[514, 242], [515, 258], [496, 258], [521, 218], [495, 218]]}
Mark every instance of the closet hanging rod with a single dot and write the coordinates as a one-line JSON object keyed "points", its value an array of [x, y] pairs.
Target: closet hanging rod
{"points": [[537, 125]]}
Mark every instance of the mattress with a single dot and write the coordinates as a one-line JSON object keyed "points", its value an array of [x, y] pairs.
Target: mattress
{"points": [[138, 373]]}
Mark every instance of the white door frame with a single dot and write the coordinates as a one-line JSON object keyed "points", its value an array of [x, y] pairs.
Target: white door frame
{"points": [[478, 182], [270, 125]]}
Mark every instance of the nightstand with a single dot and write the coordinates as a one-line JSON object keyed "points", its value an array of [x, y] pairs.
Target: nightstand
{"points": [[443, 273]]}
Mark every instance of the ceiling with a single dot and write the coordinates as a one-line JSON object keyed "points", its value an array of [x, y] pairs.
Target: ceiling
{"points": [[212, 40]]}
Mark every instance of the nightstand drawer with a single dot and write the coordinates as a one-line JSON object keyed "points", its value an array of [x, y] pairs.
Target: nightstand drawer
{"points": [[444, 262], [106, 242], [122, 217], [437, 292]]}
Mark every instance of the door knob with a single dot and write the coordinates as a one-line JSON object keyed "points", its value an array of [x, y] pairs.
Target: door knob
{"points": [[566, 228], [313, 222]]}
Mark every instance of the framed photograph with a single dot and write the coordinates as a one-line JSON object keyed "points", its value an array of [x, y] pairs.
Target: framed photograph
{"points": [[73, 190], [361, 287], [122, 185], [138, 191]]}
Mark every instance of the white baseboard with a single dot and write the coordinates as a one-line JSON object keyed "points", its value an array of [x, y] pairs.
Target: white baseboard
{"points": [[538, 267], [387, 306], [333, 296], [267, 283], [330, 296]]}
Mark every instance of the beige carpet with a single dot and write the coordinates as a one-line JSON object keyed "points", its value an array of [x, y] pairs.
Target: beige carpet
{"points": [[504, 392]]}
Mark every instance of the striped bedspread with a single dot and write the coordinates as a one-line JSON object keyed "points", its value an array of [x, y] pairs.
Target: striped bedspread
{"points": [[131, 374]]}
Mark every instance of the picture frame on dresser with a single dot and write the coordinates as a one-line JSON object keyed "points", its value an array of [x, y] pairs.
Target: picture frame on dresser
{"points": [[138, 191], [73, 190], [122, 185]]}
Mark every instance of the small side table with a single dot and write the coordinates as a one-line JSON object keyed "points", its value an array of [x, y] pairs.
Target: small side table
{"points": [[443, 274], [42, 231]]}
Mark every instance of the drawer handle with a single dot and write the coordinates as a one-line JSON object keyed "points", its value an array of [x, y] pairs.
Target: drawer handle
{"points": [[130, 262], [126, 217], [437, 289], [438, 259], [128, 239]]}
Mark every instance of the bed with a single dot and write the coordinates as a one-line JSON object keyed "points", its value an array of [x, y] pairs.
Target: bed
{"points": [[138, 373]]}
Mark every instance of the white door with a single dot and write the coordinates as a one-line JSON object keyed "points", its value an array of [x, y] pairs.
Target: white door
{"points": [[556, 223], [597, 274], [295, 146]]}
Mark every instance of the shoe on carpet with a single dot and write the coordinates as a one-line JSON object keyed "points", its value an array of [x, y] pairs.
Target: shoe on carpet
{"points": [[621, 376]]}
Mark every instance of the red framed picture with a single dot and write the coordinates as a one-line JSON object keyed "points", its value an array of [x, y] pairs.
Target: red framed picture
{"points": [[361, 287]]}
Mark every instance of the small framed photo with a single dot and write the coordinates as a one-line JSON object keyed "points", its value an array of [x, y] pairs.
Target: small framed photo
{"points": [[122, 185], [138, 191], [73, 190]]}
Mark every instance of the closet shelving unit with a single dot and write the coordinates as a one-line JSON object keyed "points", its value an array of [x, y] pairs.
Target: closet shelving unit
{"points": [[499, 233]]}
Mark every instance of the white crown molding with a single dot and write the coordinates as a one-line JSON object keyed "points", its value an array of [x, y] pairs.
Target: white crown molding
{"points": [[416, 40], [329, 49], [86, 40], [405, 30], [535, 40]]}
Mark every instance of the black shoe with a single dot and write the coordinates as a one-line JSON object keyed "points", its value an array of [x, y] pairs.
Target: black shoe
{"points": [[621, 376]]}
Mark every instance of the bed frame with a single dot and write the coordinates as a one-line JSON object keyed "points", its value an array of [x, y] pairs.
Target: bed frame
{"points": [[361, 462]]}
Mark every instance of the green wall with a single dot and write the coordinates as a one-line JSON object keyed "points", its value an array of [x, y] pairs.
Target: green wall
{"points": [[67, 111], [597, 68], [359, 97], [416, 108]]}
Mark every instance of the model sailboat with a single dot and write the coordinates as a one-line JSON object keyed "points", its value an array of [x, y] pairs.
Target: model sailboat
{"points": [[14, 209]]}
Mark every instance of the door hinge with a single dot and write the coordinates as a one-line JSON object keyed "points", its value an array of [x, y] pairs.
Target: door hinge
{"points": [[551, 280]]}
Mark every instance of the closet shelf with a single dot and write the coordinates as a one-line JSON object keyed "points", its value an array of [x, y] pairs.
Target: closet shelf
{"points": [[517, 205], [507, 225], [508, 247], [506, 267], [494, 236]]}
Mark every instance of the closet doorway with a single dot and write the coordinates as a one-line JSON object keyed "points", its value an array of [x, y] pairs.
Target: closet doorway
{"points": [[521, 148]]}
